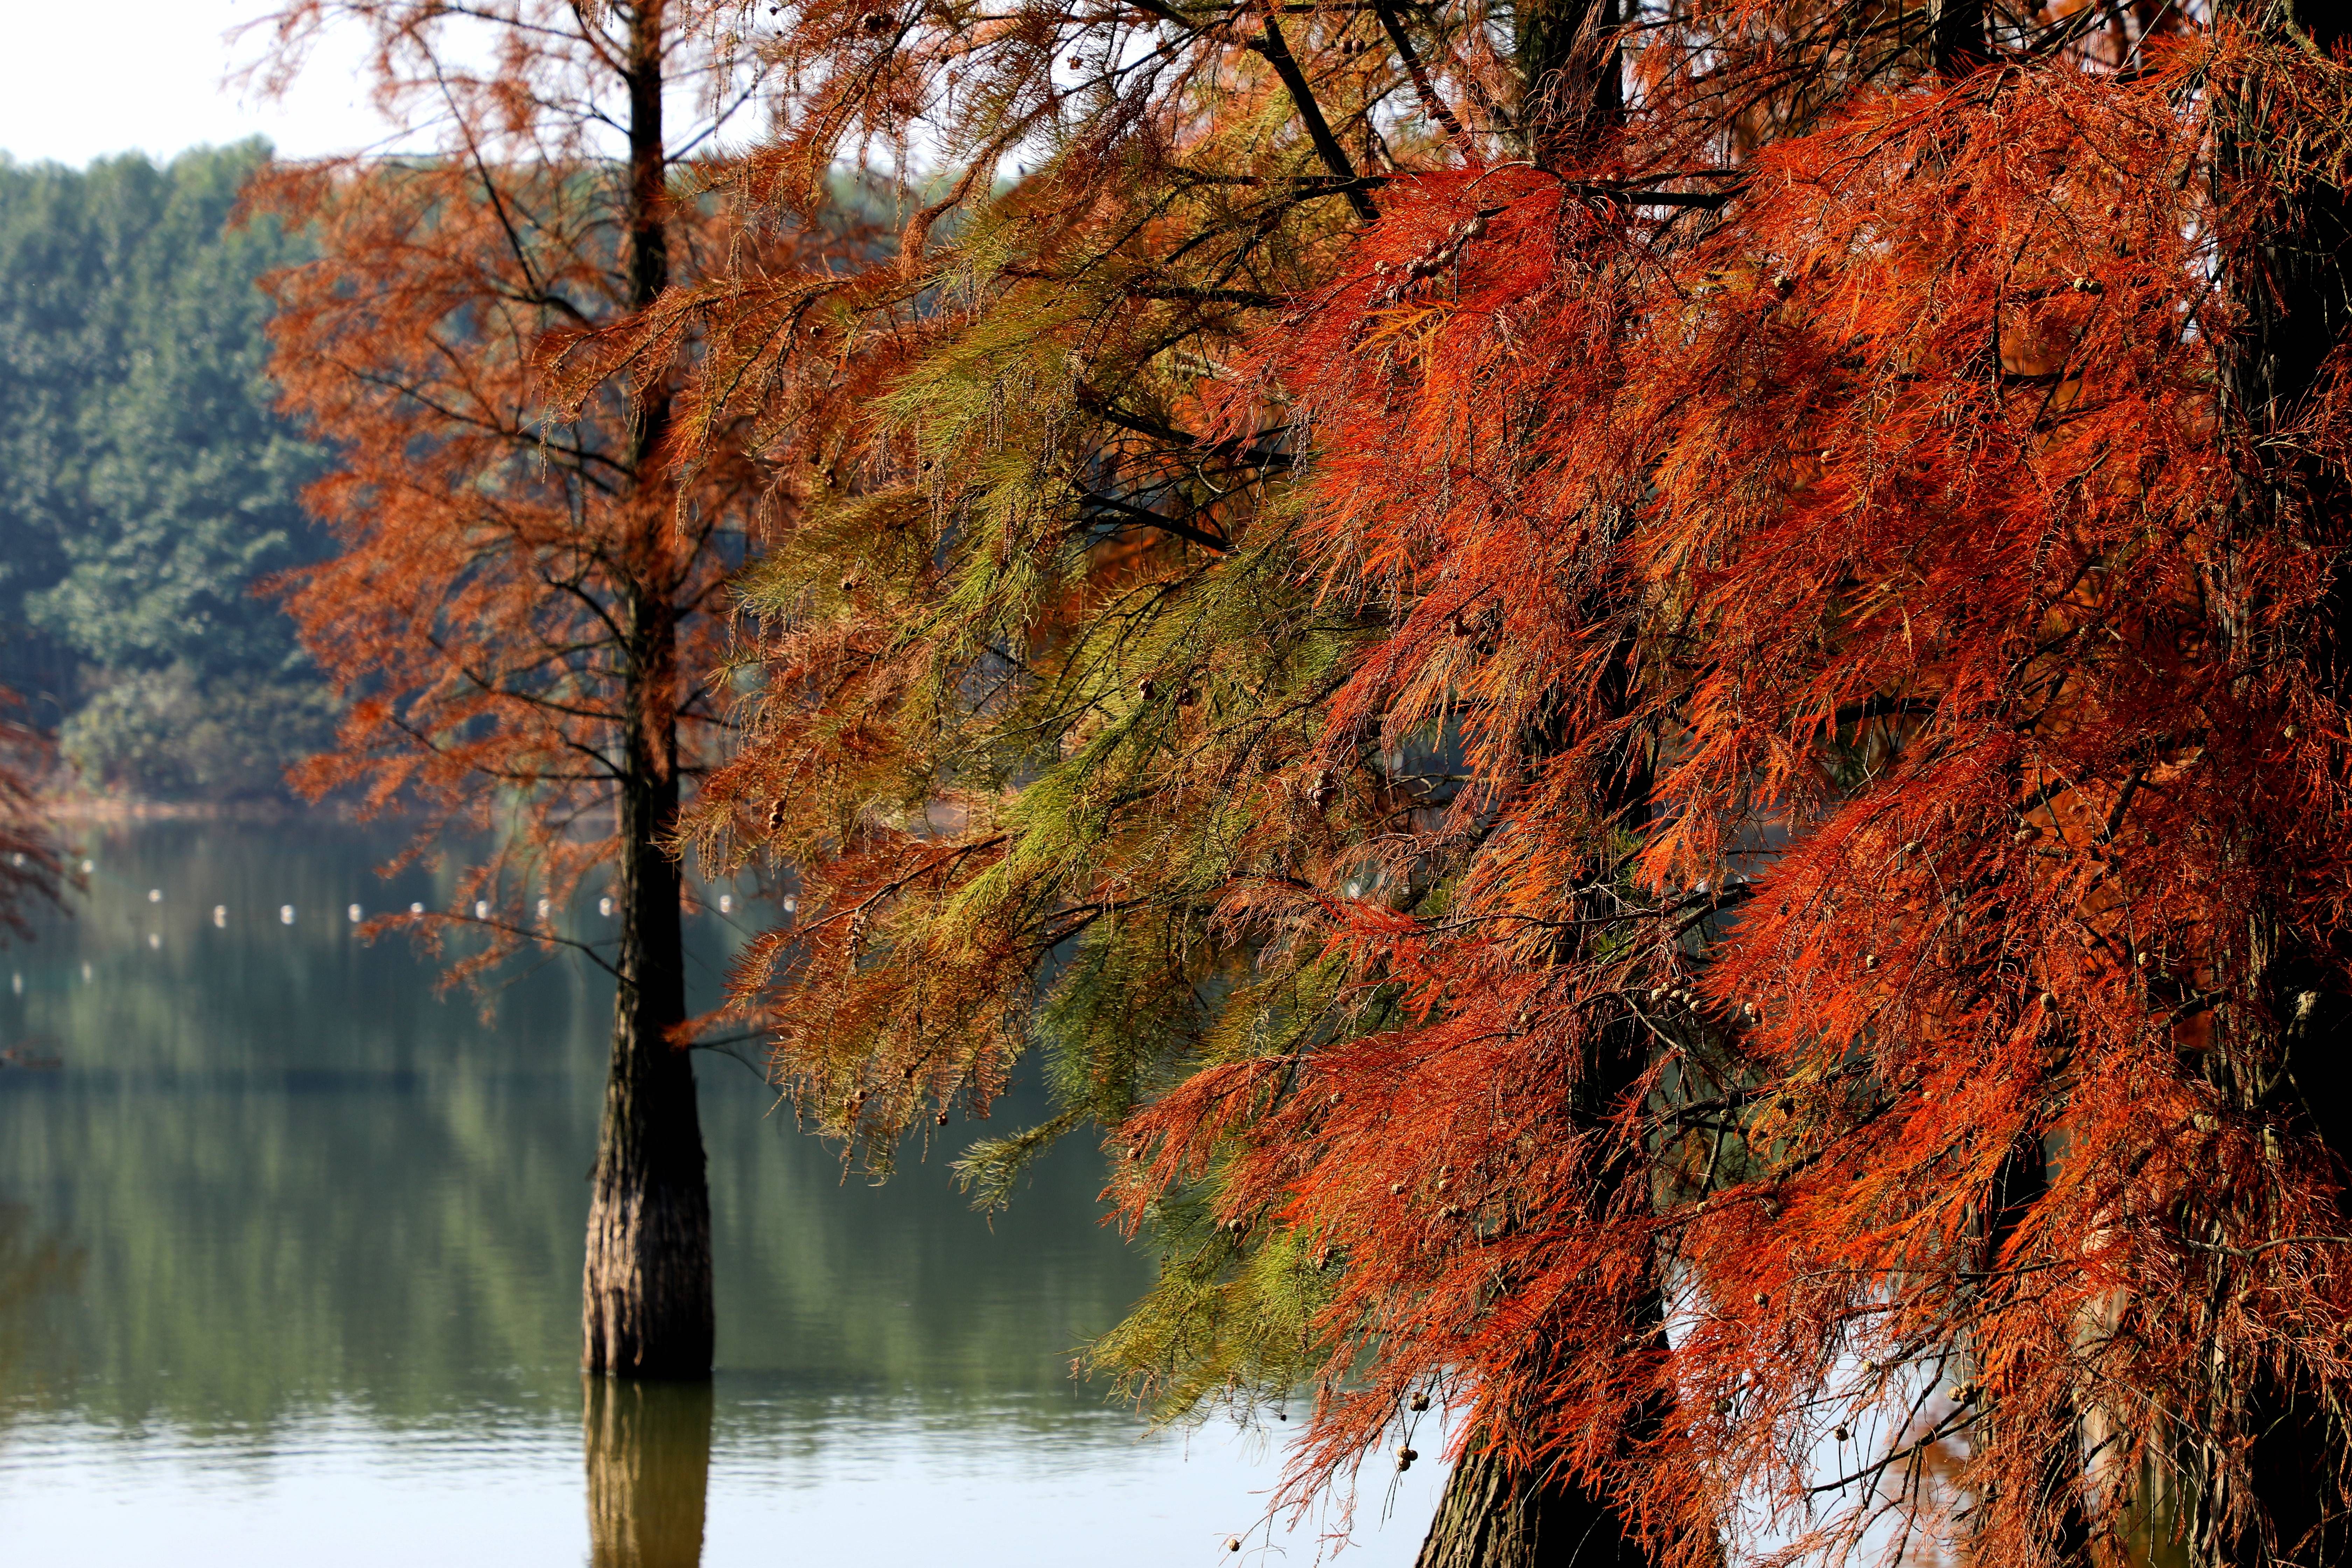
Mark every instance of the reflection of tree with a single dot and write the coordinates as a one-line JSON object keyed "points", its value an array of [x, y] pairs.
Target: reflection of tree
{"points": [[648, 1469], [34, 1264], [381, 1201]]}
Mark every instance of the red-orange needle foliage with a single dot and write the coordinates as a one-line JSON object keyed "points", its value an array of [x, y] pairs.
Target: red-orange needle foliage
{"points": [[1695, 804], [1987, 915]]}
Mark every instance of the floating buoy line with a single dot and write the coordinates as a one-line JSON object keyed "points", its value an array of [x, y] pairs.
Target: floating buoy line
{"points": [[355, 914]]}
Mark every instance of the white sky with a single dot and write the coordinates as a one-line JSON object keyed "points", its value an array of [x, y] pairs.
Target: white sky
{"points": [[90, 79]]}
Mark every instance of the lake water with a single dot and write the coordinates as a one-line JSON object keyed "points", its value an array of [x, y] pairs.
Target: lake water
{"points": [[289, 1260]]}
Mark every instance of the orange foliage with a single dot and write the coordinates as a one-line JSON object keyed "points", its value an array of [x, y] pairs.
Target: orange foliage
{"points": [[1693, 785], [1990, 854], [528, 611]]}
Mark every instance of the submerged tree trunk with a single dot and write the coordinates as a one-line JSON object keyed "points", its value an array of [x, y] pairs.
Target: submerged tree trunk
{"points": [[648, 1451], [646, 1297]]}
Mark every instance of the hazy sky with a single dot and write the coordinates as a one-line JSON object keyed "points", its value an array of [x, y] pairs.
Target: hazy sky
{"points": [[90, 79]]}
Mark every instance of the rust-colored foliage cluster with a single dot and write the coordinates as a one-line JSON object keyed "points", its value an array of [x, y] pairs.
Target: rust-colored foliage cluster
{"points": [[1991, 849], [528, 608], [1660, 726]]}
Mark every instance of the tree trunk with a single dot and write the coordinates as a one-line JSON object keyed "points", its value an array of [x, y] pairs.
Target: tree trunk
{"points": [[1490, 1518], [2291, 277], [648, 1452], [1570, 68], [646, 1296], [645, 1299], [1957, 44]]}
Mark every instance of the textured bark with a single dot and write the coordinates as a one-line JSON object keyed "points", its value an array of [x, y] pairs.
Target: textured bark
{"points": [[2291, 277], [646, 1293], [1572, 69], [1956, 40], [2021, 1182], [2286, 1506], [648, 1452], [645, 1297], [1489, 1517]]}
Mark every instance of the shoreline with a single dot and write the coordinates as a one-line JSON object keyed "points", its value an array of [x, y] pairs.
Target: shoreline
{"points": [[85, 808], [100, 809]]}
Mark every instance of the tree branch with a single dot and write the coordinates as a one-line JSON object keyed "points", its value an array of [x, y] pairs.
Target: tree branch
{"points": [[1276, 51]]}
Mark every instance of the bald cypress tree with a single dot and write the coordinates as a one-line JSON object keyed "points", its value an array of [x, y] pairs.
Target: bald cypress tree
{"points": [[526, 607], [1633, 710]]}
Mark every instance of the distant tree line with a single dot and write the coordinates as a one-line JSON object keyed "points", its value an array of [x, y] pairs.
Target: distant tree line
{"points": [[146, 483]]}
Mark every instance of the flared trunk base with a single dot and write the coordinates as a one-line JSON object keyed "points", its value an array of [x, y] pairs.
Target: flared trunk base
{"points": [[645, 1294]]}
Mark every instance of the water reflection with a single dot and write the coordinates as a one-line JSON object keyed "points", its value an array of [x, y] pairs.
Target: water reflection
{"points": [[296, 1252], [649, 1446], [37, 1266], [298, 1178]]}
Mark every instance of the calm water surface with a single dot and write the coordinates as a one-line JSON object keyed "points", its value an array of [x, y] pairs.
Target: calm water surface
{"points": [[290, 1256]]}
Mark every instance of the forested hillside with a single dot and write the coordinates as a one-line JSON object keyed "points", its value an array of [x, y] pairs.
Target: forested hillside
{"points": [[145, 483]]}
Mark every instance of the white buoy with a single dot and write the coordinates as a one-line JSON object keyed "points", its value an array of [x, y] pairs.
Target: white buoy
{"points": [[481, 908], [86, 975], [604, 906], [543, 908], [154, 943], [16, 860], [416, 909], [354, 912], [88, 866], [286, 914], [154, 895], [220, 914], [16, 983], [792, 906], [726, 903]]}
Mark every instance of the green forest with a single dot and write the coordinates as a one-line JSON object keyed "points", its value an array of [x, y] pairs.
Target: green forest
{"points": [[147, 485]]}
